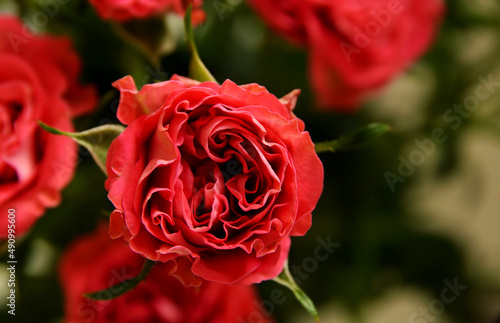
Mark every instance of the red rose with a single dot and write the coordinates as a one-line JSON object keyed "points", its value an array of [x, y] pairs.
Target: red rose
{"points": [[96, 262], [355, 47], [38, 81], [212, 177], [120, 10]]}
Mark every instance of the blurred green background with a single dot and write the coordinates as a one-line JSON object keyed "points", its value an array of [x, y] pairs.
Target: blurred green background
{"points": [[397, 247]]}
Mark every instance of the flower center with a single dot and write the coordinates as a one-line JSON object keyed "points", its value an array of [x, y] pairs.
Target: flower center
{"points": [[230, 169]]}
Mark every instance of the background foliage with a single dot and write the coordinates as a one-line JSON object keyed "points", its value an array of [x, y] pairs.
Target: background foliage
{"points": [[396, 247]]}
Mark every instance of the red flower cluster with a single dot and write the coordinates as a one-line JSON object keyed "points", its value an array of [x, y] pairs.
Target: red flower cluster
{"points": [[212, 178], [95, 262], [120, 10], [355, 46], [38, 81]]}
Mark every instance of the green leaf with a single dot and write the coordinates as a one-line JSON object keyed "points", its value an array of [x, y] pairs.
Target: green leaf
{"points": [[122, 287], [355, 139], [96, 140], [286, 279], [197, 70]]}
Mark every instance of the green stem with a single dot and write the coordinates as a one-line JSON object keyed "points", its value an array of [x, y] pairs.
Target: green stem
{"points": [[286, 279], [197, 70]]}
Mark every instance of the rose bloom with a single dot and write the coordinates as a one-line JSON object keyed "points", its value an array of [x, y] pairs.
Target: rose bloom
{"points": [[95, 262], [38, 81], [215, 178], [355, 47], [121, 11]]}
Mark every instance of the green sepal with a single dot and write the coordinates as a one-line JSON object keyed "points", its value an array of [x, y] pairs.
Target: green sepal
{"points": [[286, 279], [197, 70], [96, 140], [355, 139], [122, 287]]}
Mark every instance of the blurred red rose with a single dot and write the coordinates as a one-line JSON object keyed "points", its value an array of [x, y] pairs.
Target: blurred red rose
{"points": [[120, 10], [38, 81], [95, 262], [356, 47], [212, 177]]}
